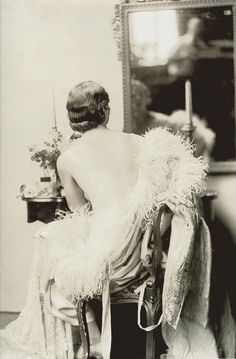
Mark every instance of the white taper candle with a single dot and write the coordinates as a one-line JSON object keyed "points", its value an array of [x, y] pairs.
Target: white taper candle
{"points": [[54, 110], [188, 102]]}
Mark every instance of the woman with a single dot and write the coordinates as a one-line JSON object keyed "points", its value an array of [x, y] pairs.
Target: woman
{"points": [[114, 183]]}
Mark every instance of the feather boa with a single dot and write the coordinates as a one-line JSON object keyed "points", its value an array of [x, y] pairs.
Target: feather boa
{"points": [[168, 171]]}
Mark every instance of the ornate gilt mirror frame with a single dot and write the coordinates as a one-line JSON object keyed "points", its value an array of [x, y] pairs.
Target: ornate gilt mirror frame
{"points": [[214, 96]]}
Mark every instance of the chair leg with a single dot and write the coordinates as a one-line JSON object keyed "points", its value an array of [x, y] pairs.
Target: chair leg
{"points": [[152, 305], [151, 309], [150, 345], [83, 328]]}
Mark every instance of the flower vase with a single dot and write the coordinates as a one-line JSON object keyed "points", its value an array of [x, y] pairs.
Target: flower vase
{"points": [[49, 185]]}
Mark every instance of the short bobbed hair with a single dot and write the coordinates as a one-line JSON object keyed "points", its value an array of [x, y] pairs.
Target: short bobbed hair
{"points": [[86, 105]]}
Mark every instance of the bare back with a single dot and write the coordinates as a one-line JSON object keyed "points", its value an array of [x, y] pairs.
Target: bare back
{"points": [[102, 164]]}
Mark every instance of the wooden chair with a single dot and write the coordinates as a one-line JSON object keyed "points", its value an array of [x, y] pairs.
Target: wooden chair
{"points": [[152, 296]]}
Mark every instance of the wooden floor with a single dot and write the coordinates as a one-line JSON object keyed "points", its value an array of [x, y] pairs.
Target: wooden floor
{"points": [[6, 318]]}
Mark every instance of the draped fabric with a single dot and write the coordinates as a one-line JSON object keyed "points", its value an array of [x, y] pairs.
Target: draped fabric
{"points": [[87, 253]]}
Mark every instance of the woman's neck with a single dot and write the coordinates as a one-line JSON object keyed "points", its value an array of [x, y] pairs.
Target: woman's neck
{"points": [[79, 134]]}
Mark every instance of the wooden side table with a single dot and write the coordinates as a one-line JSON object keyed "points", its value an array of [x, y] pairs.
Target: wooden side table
{"points": [[44, 209]]}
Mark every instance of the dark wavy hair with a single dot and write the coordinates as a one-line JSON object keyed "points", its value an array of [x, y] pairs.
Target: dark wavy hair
{"points": [[86, 105]]}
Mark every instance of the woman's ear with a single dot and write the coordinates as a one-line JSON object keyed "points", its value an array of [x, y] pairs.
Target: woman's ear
{"points": [[107, 114]]}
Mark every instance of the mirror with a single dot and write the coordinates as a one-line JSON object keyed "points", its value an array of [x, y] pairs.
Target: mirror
{"points": [[163, 45]]}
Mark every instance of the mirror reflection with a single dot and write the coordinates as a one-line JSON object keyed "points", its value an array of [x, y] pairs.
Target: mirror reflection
{"points": [[168, 47]]}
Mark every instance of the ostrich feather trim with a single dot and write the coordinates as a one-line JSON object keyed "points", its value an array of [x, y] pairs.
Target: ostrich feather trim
{"points": [[168, 171]]}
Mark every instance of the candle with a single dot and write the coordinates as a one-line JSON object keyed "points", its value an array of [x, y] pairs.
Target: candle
{"points": [[188, 103], [54, 111]]}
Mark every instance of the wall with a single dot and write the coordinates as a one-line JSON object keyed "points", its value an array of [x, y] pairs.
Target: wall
{"points": [[45, 44]]}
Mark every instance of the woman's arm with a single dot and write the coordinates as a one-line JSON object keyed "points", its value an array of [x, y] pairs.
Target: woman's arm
{"points": [[74, 194]]}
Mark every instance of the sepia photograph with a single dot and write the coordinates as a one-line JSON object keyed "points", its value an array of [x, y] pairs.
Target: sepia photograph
{"points": [[118, 179]]}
